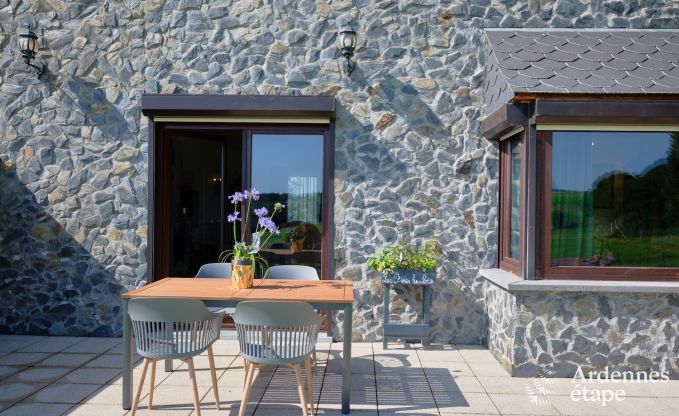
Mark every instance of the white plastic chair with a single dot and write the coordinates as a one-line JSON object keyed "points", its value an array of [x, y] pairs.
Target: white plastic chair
{"points": [[173, 328], [216, 271], [295, 272], [277, 333], [292, 272]]}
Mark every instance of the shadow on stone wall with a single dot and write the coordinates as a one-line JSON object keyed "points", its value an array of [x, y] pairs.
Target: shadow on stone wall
{"points": [[393, 174], [50, 284]]}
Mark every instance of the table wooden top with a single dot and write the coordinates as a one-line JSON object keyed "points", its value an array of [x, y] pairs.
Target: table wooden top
{"points": [[313, 291]]}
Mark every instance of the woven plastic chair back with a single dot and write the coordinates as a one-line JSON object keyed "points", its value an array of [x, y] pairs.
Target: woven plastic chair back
{"points": [[215, 270], [292, 272], [276, 332], [172, 328]]}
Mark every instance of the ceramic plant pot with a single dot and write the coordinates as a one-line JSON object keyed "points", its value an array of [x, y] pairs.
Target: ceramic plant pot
{"points": [[242, 274]]}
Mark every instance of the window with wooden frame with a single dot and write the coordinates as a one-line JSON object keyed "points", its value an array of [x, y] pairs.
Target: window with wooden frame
{"points": [[609, 204], [511, 216]]}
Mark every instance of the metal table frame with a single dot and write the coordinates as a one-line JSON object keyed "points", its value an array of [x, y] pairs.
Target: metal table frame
{"points": [[346, 373]]}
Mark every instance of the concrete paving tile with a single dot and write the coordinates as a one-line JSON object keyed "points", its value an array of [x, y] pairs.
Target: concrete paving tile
{"points": [[180, 377], [334, 412], [116, 361], [516, 404], [488, 369], [466, 403], [63, 393], [94, 345], [672, 403], [13, 346], [453, 369], [635, 406], [41, 374], [231, 397], [33, 409], [443, 384], [109, 394], [514, 385], [68, 360], [226, 348], [566, 406], [331, 399], [91, 376], [647, 389], [6, 371], [440, 353], [358, 366], [476, 355], [13, 392], [395, 360], [173, 397], [52, 344], [334, 380], [9, 343], [98, 410], [21, 358], [235, 378]]}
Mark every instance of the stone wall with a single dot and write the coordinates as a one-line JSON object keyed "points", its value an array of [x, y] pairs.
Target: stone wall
{"points": [[409, 161], [552, 333]]}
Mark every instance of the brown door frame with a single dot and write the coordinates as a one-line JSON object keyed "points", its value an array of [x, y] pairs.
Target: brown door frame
{"points": [[158, 215]]}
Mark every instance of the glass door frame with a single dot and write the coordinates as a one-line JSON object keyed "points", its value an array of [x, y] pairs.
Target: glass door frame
{"points": [[159, 175]]}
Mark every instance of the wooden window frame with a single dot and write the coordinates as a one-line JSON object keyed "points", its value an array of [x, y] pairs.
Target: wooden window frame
{"points": [[159, 181], [545, 270], [506, 261]]}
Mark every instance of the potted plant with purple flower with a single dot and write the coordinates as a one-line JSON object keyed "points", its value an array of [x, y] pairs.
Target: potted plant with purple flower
{"points": [[244, 256]]}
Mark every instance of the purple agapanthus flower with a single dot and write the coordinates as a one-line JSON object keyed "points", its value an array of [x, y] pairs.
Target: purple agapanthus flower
{"points": [[268, 224], [255, 194], [261, 212], [234, 217], [238, 197]]}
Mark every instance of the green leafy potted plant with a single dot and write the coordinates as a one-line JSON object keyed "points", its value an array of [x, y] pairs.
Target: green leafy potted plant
{"points": [[407, 263]]}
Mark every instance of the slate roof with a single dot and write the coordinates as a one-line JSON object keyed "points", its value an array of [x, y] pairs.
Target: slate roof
{"points": [[598, 61]]}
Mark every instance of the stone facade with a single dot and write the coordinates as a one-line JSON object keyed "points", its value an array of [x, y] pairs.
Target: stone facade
{"points": [[409, 162], [553, 333]]}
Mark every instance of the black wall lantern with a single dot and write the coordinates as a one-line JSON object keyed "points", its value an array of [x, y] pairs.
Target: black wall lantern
{"points": [[29, 46], [347, 43]]}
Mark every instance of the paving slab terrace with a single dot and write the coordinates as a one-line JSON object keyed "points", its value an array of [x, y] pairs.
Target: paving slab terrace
{"points": [[56, 376]]}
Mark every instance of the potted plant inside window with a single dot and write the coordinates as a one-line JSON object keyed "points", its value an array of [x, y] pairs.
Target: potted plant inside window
{"points": [[407, 263], [244, 256]]}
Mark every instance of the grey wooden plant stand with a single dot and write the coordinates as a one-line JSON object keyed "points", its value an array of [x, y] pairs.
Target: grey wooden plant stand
{"points": [[423, 278]]}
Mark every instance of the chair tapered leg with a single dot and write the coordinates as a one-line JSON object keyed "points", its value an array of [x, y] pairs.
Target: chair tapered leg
{"points": [[192, 375], [245, 377], [309, 384], [300, 387], [140, 387], [152, 383], [315, 362], [246, 388], [213, 373]]}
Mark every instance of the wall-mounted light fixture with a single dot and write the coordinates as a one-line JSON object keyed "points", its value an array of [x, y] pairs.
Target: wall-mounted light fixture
{"points": [[29, 46], [347, 43]]}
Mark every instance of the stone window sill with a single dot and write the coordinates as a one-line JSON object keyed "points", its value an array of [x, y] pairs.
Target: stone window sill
{"points": [[513, 284]]}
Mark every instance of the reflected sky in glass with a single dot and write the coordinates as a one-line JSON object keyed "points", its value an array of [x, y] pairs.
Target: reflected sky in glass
{"points": [[580, 158]]}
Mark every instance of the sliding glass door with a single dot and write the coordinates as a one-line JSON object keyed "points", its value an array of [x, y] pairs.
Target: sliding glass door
{"points": [[288, 168], [203, 164]]}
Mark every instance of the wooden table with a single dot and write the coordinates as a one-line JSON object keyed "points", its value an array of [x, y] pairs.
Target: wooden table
{"points": [[321, 294]]}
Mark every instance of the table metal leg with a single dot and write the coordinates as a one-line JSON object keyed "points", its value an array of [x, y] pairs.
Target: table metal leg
{"points": [[426, 294], [168, 366], [346, 375], [127, 358], [385, 308]]}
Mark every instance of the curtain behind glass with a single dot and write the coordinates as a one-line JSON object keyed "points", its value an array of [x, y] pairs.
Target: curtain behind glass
{"points": [[572, 242]]}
